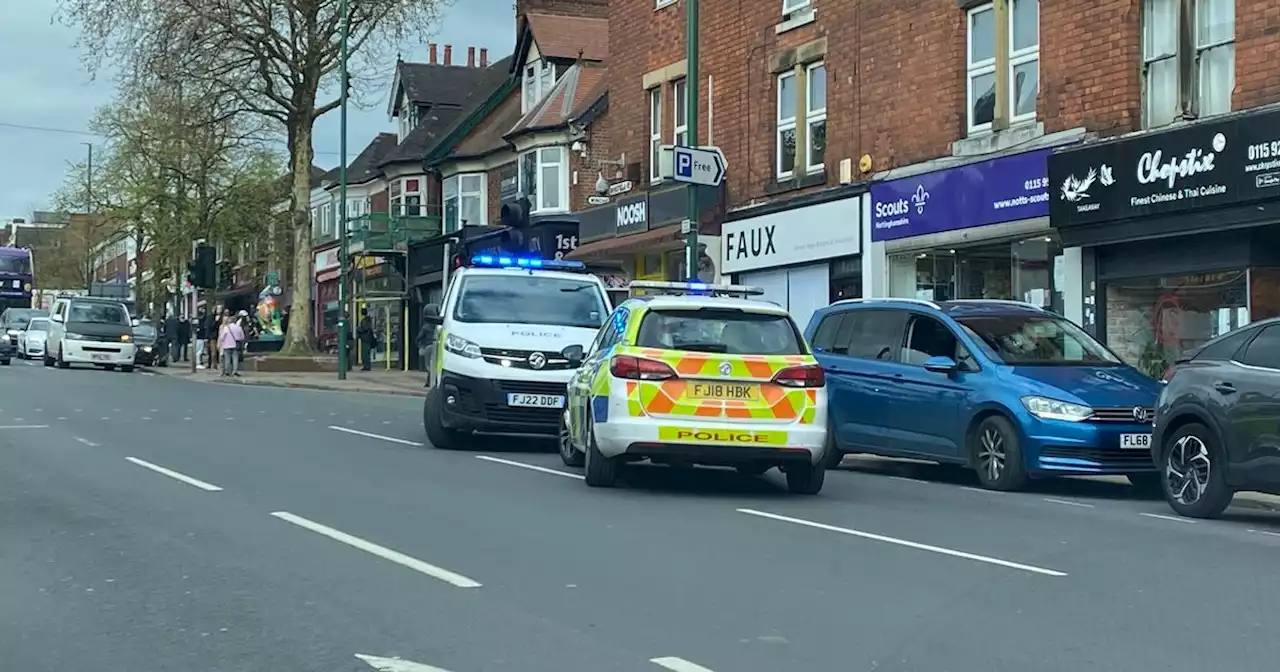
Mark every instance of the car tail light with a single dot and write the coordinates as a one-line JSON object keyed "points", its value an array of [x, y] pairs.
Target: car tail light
{"points": [[638, 368], [801, 376]]}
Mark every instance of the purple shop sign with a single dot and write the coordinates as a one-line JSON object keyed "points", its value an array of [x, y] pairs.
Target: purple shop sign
{"points": [[988, 192]]}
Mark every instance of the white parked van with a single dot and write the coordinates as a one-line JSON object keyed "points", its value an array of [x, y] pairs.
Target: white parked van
{"points": [[90, 330]]}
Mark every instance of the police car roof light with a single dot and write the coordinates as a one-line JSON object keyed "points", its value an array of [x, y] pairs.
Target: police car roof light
{"points": [[503, 261], [693, 288]]}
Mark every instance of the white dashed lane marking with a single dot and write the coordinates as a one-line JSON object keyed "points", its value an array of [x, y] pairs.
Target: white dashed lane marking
{"points": [[1174, 519], [207, 487], [907, 544], [678, 664], [370, 435], [383, 552], [530, 467]]}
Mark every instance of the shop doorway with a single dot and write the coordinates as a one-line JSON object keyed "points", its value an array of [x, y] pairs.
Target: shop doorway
{"points": [[390, 321], [1027, 269]]}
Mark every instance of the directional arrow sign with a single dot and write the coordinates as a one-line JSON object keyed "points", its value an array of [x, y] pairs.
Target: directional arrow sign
{"points": [[699, 165], [396, 664]]}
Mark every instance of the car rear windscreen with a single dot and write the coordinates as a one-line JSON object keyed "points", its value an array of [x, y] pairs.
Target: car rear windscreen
{"points": [[726, 331]]}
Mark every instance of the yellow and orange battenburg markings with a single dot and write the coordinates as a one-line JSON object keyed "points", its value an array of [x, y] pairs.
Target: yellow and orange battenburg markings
{"points": [[675, 397], [732, 436]]}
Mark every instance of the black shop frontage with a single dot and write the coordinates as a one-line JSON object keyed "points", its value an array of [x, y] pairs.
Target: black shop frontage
{"points": [[1179, 232]]}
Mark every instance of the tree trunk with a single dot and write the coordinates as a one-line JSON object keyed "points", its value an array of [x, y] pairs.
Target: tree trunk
{"points": [[298, 337]]}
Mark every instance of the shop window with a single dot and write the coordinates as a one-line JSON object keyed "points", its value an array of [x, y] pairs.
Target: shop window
{"points": [[1151, 322], [1021, 61], [464, 199], [1029, 270], [1203, 55], [655, 133], [544, 179], [1264, 293], [650, 266]]}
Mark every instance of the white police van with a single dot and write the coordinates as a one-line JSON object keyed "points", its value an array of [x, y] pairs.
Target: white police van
{"points": [[510, 332]]}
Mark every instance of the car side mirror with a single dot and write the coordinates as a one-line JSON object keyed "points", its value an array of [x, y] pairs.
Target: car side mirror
{"points": [[55, 318], [575, 354], [941, 365], [137, 323]]}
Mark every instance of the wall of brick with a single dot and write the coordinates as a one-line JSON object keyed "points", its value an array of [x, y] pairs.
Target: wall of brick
{"points": [[896, 76]]}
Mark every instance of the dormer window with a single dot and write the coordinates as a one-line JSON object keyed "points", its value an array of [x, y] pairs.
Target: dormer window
{"points": [[539, 78]]}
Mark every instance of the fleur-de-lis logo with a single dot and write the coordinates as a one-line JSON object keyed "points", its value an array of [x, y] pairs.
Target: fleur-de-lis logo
{"points": [[920, 198]]}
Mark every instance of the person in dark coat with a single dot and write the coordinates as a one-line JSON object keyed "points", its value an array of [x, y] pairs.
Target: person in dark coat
{"points": [[365, 333], [171, 336], [184, 339]]}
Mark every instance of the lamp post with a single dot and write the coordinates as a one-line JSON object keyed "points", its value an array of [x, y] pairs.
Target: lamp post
{"points": [[691, 118], [344, 244]]}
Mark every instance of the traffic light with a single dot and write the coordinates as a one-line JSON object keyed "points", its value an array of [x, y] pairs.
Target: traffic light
{"points": [[515, 216], [203, 271]]}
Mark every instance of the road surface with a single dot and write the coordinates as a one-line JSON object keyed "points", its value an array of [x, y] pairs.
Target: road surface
{"points": [[162, 524]]}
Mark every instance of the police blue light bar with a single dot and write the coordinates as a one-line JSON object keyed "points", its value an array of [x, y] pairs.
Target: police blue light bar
{"points": [[503, 261]]}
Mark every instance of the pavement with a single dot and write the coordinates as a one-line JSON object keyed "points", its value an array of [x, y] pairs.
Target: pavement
{"points": [[153, 523], [377, 381]]}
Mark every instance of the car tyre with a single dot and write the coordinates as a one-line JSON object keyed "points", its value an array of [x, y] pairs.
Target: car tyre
{"points": [[1192, 466], [5, 362], [601, 471], [62, 363], [48, 361], [126, 369], [433, 421], [806, 479], [569, 453], [996, 452]]}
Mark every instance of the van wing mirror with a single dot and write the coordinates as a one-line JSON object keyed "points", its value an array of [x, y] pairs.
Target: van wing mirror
{"points": [[575, 354], [431, 314]]}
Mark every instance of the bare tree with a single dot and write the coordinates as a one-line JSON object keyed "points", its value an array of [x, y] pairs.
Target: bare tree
{"points": [[276, 57]]}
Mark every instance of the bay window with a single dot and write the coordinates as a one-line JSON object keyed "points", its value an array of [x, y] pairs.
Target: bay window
{"points": [[544, 179], [464, 201]]}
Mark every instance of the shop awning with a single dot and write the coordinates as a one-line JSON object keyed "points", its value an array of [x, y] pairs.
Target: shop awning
{"points": [[657, 239]]}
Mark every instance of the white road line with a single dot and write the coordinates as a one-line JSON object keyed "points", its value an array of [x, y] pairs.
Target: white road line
{"points": [[908, 544], [678, 664], [531, 467], [24, 426], [1269, 534], [396, 664], [208, 487], [982, 490], [1067, 502], [86, 442], [380, 551], [371, 435], [1175, 519]]}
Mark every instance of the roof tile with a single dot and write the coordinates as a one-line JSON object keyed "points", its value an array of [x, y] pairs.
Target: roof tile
{"points": [[570, 36]]}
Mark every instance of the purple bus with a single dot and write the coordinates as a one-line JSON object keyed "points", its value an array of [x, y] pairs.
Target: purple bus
{"points": [[16, 277]]}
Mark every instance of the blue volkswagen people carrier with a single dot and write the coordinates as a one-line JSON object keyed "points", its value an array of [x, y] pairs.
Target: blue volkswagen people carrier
{"points": [[1006, 388]]}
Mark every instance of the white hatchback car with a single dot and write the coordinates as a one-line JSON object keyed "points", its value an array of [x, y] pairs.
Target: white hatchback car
{"points": [[32, 339]]}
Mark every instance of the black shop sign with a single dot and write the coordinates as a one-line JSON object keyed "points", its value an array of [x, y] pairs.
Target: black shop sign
{"points": [[1228, 162]]}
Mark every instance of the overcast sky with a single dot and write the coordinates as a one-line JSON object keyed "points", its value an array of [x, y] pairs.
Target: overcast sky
{"points": [[47, 97]]}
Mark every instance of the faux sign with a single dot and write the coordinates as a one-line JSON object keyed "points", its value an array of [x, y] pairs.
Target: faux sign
{"points": [[813, 233]]}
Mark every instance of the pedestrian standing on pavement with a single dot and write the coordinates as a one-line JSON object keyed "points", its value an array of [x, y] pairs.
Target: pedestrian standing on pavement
{"points": [[171, 335], [184, 339], [230, 336], [367, 339], [202, 322]]}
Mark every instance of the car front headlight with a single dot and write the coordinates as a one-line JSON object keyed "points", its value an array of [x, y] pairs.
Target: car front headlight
{"points": [[1055, 409], [72, 336], [461, 346], [146, 348]]}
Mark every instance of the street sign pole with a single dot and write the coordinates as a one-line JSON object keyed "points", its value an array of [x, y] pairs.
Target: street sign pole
{"points": [[691, 118], [344, 250]]}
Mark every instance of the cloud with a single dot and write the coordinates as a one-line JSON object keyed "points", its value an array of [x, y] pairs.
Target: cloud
{"points": [[49, 98]]}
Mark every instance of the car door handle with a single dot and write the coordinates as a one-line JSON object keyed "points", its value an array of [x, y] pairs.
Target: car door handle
{"points": [[1224, 388]]}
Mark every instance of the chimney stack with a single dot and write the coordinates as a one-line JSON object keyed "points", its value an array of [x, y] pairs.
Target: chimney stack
{"points": [[432, 47], [448, 54], [471, 57], [484, 57]]}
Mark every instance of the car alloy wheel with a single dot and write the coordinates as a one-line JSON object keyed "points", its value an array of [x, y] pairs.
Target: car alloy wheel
{"points": [[1187, 470], [991, 453]]}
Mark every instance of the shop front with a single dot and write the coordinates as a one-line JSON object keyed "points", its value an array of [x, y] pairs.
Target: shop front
{"points": [[974, 231], [641, 237], [1179, 233], [803, 256], [327, 272]]}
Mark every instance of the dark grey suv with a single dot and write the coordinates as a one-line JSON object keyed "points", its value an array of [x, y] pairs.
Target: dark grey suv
{"points": [[1217, 427]]}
